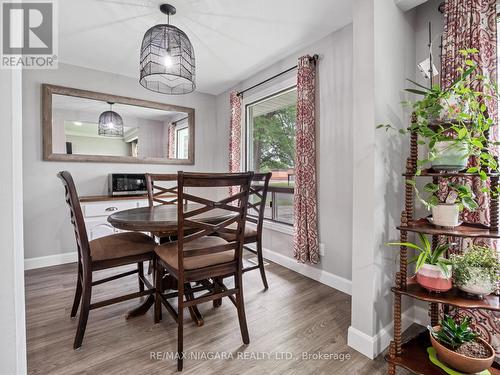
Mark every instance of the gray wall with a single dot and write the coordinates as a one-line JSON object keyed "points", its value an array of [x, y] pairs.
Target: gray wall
{"points": [[46, 219], [334, 137], [12, 315], [384, 55]]}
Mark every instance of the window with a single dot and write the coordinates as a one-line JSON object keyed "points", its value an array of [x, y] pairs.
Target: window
{"points": [[270, 147], [182, 140]]}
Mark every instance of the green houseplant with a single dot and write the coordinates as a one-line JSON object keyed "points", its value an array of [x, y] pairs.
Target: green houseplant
{"points": [[445, 212], [432, 270], [453, 122], [460, 347], [476, 271]]}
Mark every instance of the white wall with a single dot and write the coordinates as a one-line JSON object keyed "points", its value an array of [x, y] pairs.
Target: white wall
{"points": [[12, 317], [334, 137], [46, 219], [384, 56], [97, 146]]}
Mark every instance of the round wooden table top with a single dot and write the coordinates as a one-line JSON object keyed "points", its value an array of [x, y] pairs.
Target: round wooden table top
{"points": [[162, 218]]}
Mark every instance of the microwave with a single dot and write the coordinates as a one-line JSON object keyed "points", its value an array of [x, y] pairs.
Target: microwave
{"points": [[127, 184]]}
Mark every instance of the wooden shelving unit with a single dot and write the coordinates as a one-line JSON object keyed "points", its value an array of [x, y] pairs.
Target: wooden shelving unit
{"points": [[412, 355]]}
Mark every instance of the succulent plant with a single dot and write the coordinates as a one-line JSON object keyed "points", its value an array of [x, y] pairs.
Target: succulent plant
{"points": [[454, 333]]}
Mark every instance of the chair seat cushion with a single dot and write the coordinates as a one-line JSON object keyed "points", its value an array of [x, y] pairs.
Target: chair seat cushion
{"points": [[121, 245], [168, 253], [249, 232]]}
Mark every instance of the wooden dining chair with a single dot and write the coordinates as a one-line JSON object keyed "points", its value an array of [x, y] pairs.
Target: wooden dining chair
{"points": [[106, 252], [161, 195], [200, 256], [256, 207]]}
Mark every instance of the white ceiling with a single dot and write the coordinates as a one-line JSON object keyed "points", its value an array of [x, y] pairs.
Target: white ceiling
{"points": [[73, 103], [232, 39]]}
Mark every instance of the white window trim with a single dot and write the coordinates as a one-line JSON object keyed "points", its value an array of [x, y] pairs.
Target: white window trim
{"points": [[260, 94], [247, 99], [274, 226]]}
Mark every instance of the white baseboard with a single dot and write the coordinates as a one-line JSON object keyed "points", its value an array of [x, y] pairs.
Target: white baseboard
{"points": [[314, 273], [372, 346], [50, 260]]}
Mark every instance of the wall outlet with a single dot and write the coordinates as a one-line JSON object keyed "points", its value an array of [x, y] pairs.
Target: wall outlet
{"points": [[322, 249]]}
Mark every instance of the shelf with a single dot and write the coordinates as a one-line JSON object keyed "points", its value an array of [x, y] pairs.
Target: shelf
{"points": [[464, 230], [453, 297], [416, 360], [432, 173]]}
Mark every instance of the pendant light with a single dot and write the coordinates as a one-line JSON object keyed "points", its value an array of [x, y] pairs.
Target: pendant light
{"points": [[110, 123], [167, 58]]}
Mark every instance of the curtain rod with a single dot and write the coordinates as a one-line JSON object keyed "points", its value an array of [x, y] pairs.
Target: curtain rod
{"points": [[179, 120], [314, 58]]}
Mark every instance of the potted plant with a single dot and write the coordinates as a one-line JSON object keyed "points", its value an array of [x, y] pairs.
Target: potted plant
{"points": [[460, 347], [476, 271], [432, 270], [454, 122], [445, 212]]}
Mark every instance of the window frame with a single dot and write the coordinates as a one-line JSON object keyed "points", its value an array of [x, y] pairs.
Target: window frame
{"points": [[270, 92]]}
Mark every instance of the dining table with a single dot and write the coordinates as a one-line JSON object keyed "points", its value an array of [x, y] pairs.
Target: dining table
{"points": [[163, 219]]}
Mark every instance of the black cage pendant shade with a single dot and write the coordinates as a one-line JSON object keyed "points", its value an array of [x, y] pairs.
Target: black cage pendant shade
{"points": [[167, 58], [110, 123]]}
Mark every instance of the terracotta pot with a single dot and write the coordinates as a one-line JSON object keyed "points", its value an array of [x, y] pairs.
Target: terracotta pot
{"points": [[459, 362], [432, 278]]}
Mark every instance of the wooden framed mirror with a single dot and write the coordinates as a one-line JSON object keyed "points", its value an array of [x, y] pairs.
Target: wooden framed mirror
{"points": [[145, 132]]}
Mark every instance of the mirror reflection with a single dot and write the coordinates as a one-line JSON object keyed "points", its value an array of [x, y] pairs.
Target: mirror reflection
{"points": [[84, 126]]}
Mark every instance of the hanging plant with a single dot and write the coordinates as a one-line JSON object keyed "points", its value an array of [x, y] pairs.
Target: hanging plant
{"points": [[453, 122]]}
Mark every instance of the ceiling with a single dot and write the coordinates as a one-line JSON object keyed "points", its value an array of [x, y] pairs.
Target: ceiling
{"points": [[73, 103], [232, 39]]}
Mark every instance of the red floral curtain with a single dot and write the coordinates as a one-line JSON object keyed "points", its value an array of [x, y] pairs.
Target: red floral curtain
{"points": [[305, 239], [235, 135], [171, 141], [473, 24]]}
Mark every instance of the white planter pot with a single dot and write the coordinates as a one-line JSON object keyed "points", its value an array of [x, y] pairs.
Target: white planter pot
{"points": [[479, 283], [445, 215]]}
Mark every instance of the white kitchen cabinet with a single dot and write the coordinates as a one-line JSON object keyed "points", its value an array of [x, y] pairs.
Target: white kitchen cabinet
{"points": [[97, 209]]}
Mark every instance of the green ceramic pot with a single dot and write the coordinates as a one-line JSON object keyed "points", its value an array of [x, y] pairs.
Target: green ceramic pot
{"points": [[450, 156]]}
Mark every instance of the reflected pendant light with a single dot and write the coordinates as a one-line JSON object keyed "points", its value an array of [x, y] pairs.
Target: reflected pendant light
{"points": [[110, 123], [167, 58]]}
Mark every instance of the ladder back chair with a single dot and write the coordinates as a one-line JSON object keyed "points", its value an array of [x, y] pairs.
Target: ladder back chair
{"points": [[103, 253], [200, 257], [160, 194], [256, 208]]}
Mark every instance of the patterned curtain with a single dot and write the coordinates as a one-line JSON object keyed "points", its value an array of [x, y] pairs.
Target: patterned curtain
{"points": [[171, 141], [305, 239], [235, 135], [473, 24]]}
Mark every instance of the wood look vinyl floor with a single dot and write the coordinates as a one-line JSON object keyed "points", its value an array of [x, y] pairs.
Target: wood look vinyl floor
{"points": [[296, 315]]}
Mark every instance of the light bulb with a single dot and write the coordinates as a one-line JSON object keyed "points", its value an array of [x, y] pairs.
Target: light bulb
{"points": [[110, 125], [167, 60]]}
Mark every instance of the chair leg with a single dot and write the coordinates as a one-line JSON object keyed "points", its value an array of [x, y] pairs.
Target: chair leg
{"points": [[260, 258], [218, 302], [180, 327], [78, 292], [158, 288], [84, 311], [150, 267], [240, 305], [140, 275]]}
